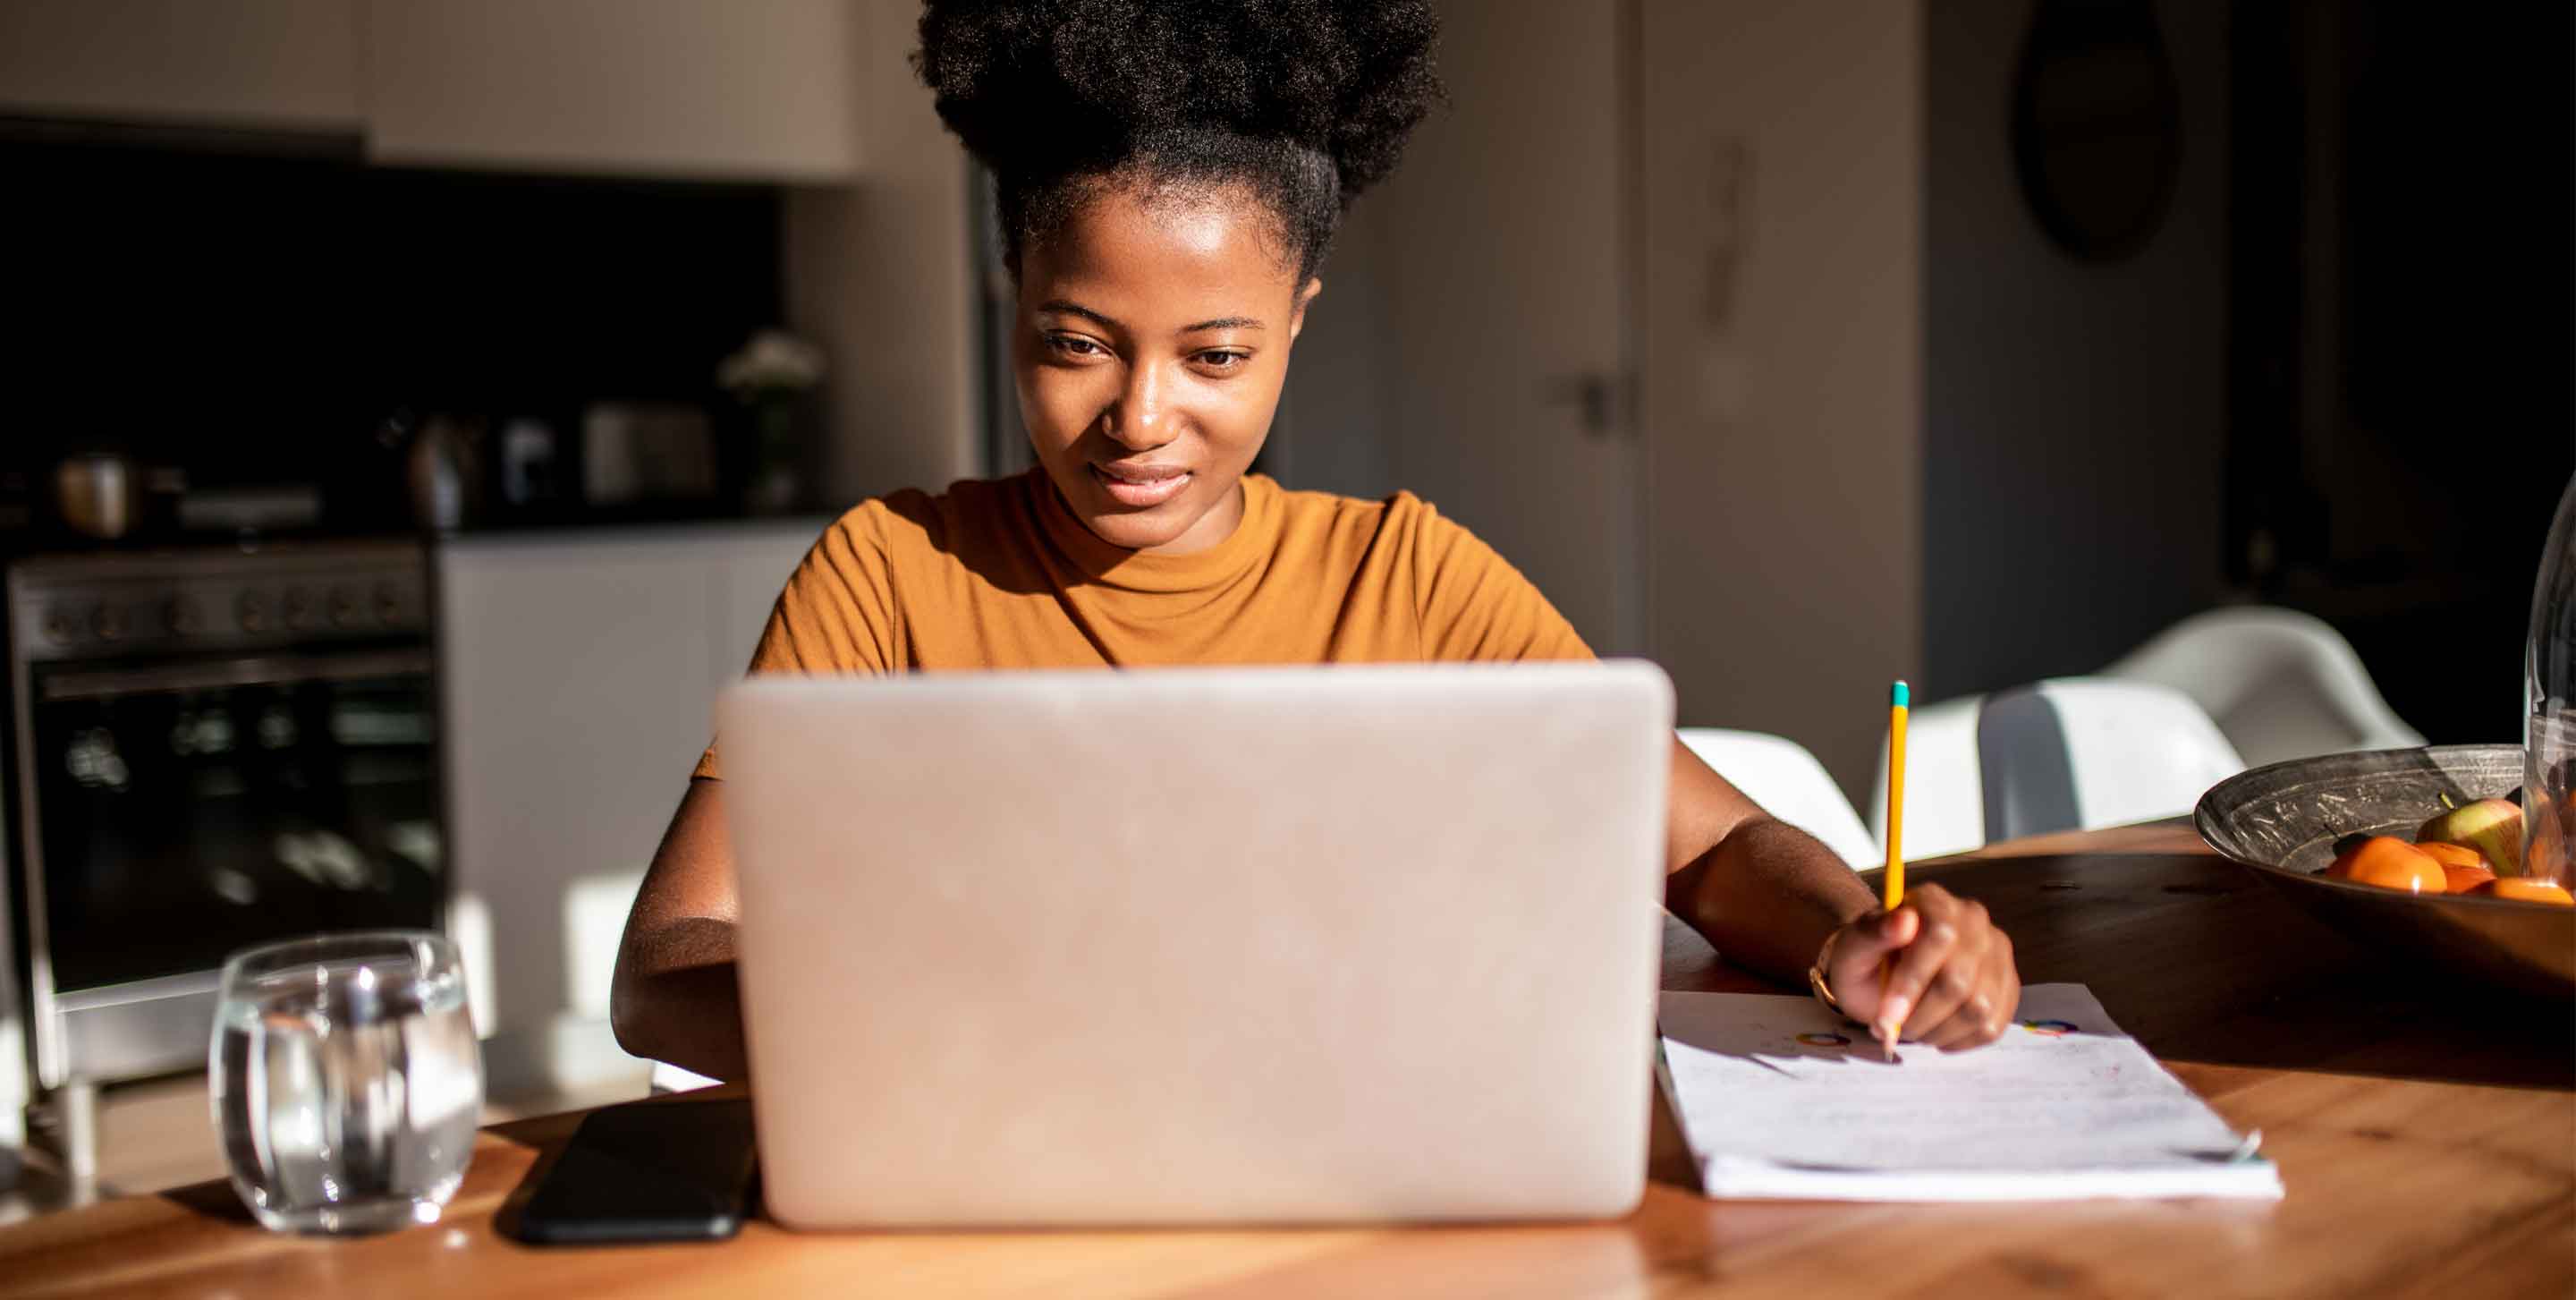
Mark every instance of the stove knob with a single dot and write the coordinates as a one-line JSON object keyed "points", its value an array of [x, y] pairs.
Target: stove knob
{"points": [[344, 608], [59, 627], [252, 611], [183, 616], [108, 622], [296, 611]]}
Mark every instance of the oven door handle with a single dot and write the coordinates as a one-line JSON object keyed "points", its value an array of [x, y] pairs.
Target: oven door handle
{"points": [[252, 670]]}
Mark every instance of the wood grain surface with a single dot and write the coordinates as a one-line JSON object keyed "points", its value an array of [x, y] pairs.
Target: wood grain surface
{"points": [[2427, 1134]]}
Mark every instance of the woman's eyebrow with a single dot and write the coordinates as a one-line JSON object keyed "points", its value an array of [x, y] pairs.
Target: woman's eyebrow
{"points": [[1071, 308]]}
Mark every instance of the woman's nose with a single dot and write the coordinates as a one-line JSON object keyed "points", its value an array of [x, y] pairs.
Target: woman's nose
{"points": [[1142, 418]]}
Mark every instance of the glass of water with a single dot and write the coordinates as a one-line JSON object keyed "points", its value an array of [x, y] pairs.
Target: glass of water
{"points": [[2549, 722], [347, 1084]]}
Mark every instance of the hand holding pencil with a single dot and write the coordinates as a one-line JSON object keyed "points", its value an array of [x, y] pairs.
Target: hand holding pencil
{"points": [[1927, 966]]}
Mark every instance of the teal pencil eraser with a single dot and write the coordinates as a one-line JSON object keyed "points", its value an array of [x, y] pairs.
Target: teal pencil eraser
{"points": [[1897, 696]]}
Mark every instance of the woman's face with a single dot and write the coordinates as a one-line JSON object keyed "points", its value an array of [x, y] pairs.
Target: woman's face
{"points": [[1153, 337]]}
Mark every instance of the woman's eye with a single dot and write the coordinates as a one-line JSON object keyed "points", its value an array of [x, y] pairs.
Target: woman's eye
{"points": [[1073, 345], [1224, 360]]}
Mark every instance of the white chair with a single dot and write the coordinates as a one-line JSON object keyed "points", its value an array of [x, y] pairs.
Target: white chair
{"points": [[1944, 799], [671, 1078], [13, 1087], [2081, 753], [2071, 753], [2280, 684], [1789, 783]]}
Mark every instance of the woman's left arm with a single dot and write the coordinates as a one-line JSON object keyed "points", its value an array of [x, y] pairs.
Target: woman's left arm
{"points": [[1772, 898]]}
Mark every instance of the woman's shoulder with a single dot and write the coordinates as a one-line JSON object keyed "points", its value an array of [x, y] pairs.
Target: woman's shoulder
{"points": [[1401, 524], [910, 518], [1398, 513]]}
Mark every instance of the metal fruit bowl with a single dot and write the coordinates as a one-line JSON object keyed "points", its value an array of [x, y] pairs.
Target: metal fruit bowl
{"points": [[2282, 821]]}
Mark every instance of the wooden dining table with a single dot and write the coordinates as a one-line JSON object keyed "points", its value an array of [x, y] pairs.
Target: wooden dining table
{"points": [[2426, 1132]]}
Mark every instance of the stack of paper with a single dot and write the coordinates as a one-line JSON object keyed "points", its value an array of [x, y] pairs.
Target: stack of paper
{"points": [[1780, 1099]]}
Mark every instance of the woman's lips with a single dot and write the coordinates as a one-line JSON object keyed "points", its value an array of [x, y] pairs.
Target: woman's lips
{"points": [[1137, 487]]}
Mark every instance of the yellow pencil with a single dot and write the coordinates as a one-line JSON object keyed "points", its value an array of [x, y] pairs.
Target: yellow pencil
{"points": [[1896, 703], [1897, 699]]}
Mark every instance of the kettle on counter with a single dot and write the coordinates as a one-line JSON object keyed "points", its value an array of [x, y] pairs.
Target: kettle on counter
{"points": [[444, 465], [96, 493]]}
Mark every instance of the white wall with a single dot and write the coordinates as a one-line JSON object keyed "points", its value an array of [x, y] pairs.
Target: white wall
{"points": [[880, 272], [1782, 354], [2074, 413], [1336, 425]]}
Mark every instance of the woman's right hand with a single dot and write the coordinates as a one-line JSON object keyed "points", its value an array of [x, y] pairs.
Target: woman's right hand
{"points": [[1950, 983]]}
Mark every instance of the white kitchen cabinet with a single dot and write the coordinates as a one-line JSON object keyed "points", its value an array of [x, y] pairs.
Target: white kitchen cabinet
{"points": [[762, 90], [577, 674], [275, 64], [688, 88]]}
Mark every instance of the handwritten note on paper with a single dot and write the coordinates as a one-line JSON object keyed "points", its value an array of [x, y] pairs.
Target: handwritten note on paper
{"points": [[1779, 1098]]}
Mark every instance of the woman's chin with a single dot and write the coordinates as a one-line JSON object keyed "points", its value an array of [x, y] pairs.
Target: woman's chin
{"points": [[1136, 530], [1166, 526]]}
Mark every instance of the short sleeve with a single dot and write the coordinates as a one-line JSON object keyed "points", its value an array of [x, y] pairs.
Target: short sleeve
{"points": [[1476, 606], [836, 614]]}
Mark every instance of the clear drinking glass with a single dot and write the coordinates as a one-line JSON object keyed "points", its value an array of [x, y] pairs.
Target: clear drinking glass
{"points": [[2549, 694], [347, 1084]]}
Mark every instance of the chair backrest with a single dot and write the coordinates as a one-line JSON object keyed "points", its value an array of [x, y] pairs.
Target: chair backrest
{"points": [[1944, 800], [1779, 774], [671, 1078], [2280, 684], [2081, 753]]}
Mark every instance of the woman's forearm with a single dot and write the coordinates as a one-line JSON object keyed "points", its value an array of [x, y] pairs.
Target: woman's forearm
{"points": [[675, 999], [1766, 896]]}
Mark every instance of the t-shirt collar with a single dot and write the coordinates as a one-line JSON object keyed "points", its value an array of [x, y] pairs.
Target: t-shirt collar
{"points": [[1111, 565]]}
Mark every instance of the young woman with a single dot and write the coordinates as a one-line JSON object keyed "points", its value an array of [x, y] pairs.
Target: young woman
{"points": [[1169, 176]]}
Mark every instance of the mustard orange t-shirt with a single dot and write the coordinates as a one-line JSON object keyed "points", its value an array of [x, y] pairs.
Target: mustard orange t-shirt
{"points": [[1000, 574]]}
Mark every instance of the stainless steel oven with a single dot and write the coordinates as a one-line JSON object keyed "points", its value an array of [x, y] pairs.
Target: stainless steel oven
{"points": [[212, 749]]}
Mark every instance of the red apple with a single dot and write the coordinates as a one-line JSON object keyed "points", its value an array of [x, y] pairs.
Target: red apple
{"points": [[2493, 827]]}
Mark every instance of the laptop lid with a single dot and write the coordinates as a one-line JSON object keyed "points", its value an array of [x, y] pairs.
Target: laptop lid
{"points": [[1200, 945]]}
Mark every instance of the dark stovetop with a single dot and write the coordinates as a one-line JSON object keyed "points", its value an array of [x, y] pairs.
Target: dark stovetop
{"points": [[19, 540]]}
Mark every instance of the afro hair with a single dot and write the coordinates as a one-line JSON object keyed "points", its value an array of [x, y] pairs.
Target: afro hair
{"points": [[1304, 102]]}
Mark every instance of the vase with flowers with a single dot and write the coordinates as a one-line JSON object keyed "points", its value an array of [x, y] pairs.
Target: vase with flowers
{"points": [[773, 377]]}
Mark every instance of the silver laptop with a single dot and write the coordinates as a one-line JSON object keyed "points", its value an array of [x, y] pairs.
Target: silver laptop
{"points": [[1283, 945]]}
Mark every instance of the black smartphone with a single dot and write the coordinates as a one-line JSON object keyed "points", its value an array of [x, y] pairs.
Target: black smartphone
{"points": [[647, 1171]]}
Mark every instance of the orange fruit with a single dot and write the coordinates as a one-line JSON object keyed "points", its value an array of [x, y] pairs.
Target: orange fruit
{"points": [[2452, 855], [2525, 889], [2462, 867], [2463, 879], [2390, 863]]}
